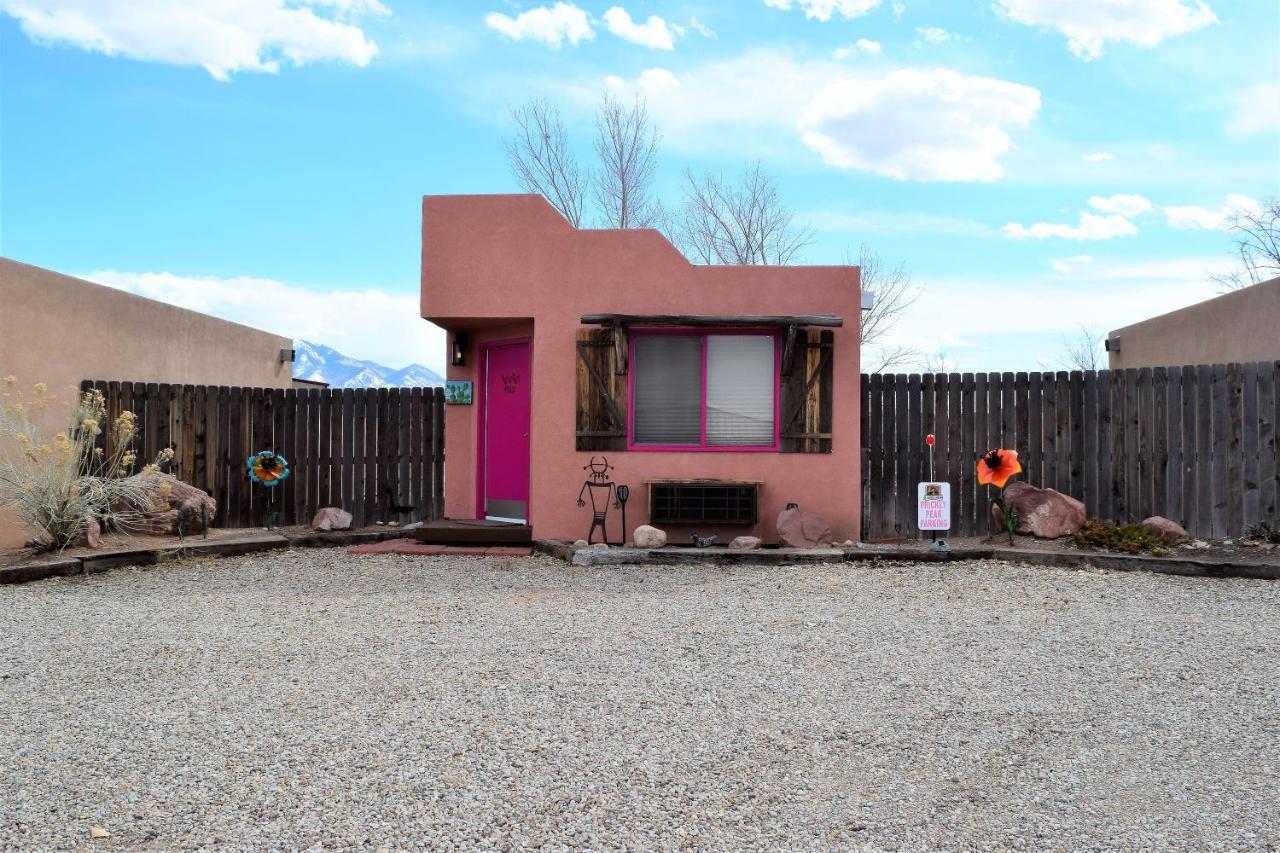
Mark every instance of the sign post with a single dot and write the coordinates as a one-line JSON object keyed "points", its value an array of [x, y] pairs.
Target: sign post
{"points": [[933, 501]]}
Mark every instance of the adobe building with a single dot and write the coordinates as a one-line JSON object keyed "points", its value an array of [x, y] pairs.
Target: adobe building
{"points": [[717, 394], [61, 330], [1240, 326]]}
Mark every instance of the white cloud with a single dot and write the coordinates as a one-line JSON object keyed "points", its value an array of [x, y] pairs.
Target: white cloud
{"points": [[933, 35], [1091, 227], [822, 10], [1116, 212], [1099, 157], [918, 124], [1193, 216], [653, 33], [932, 124], [551, 25], [889, 222], [1066, 266], [371, 324], [219, 36], [1257, 109], [1121, 204], [1089, 24], [701, 28], [898, 9], [860, 46]]}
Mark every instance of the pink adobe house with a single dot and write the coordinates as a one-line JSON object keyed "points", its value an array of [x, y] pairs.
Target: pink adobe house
{"points": [[717, 393]]}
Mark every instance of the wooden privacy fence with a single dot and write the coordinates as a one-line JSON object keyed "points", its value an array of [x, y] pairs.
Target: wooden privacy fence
{"points": [[1196, 444], [369, 451]]}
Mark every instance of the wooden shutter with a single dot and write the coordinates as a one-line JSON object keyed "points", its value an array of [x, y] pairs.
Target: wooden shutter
{"points": [[806, 392], [601, 420]]}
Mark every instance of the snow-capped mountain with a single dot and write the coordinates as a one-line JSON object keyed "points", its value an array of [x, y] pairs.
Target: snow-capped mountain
{"points": [[320, 363]]}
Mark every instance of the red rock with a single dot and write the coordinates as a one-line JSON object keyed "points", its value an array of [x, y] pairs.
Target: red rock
{"points": [[331, 518], [744, 543], [91, 531], [173, 500], [798, 528], [1044, 513], [1169, 532]]}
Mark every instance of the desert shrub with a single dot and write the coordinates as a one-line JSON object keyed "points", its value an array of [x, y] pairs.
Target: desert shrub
{"points": [[1263, 532], [1125, 538], [56, 482]]}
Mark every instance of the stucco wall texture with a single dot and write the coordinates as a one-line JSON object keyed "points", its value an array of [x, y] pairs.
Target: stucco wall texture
{"points": [[508, 266], [61, 330], [1240, 326]]}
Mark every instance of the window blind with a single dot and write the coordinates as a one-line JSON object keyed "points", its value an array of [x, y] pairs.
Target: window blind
{"points": [[740, 388], [668, 389]]}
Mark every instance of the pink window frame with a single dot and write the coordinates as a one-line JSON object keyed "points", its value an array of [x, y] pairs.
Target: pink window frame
{"points": [[702, 446]]}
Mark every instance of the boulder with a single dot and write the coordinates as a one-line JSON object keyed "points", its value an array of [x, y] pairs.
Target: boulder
{"points": [[90, 532], [1044, 513], [798, 528], [744, 543], [173, 502], [331, 518], [649, 537], [1168, 532], [598, 546], [580, 543]]}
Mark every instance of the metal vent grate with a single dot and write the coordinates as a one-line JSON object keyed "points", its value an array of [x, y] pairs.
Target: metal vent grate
{"points": [[696, 503]]}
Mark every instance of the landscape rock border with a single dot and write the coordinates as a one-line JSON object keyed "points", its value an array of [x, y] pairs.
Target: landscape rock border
{"points": [[53, 566]]}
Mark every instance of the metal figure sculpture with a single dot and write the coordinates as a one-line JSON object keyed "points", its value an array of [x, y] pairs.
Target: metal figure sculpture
{"points": [[602, 492], [621, 494]]}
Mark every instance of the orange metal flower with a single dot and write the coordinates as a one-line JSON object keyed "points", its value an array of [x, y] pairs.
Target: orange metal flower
{"points": [[996, 467]]}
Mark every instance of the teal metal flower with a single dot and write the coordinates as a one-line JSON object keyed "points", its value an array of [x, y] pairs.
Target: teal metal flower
{"points": [[267, 468]]}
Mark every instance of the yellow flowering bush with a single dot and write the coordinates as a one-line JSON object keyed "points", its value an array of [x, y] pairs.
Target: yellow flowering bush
{"points": [[56, 483]]}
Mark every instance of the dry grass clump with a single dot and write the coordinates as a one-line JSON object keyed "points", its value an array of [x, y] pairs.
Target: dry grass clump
{"points": [[56, 483]]}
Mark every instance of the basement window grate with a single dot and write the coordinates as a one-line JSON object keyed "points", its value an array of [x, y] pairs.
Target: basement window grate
{"points": [[703, 503]]}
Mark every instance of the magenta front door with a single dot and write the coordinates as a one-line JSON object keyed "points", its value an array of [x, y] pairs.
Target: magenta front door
{"points": [[504, 432]]}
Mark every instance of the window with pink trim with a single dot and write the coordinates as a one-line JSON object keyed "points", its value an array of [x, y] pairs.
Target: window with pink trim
{"points": [[694, 390]]}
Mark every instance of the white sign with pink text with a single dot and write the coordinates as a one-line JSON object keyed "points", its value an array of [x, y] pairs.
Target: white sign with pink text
{"points": [[933, 506]]}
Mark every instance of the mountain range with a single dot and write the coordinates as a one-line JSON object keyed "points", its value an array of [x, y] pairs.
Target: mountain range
{"points": [[319, 363]]}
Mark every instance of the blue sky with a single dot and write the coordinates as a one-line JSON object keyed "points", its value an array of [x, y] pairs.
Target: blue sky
{"points": [[1037, 164]]}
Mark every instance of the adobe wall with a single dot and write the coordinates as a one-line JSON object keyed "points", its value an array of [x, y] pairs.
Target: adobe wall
{"points": [[60, 330], [492, 262]]}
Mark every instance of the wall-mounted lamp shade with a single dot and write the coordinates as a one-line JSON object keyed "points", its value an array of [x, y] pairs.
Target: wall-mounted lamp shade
{"points": [[286, 356], [458, 354], [868, 300]]}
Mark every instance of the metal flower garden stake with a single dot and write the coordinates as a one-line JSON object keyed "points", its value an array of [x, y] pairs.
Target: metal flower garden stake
{"points": [[994, 469], [268, 469]]}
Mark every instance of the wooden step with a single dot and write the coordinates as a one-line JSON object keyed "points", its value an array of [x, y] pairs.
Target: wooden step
{"points": [[464, 531]]}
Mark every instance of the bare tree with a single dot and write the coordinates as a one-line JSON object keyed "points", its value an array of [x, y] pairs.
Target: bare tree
{"points": [[627, 146], [938, 362], [543, 161], [891, 289], [1085, 351], [742, 223], [1257, 239], [892, 293], [889, 357]]}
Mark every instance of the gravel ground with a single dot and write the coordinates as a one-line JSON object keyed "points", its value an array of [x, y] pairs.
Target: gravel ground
{"points": [[317, 699]]}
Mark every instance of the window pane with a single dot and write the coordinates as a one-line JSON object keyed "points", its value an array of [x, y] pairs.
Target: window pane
{"points": [[668, 389], [740, 380]]}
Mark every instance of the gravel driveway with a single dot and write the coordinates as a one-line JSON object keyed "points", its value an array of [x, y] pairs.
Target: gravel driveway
{"points": [[314, 698]]}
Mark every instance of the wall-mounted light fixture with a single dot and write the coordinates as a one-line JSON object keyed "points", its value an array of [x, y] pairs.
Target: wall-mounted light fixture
{"points": [[286, 356], [458, 355], [1112, 345]]}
